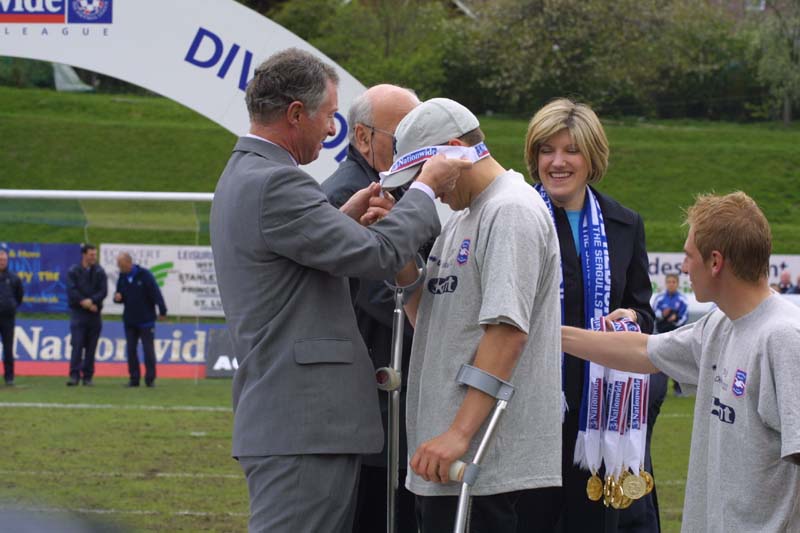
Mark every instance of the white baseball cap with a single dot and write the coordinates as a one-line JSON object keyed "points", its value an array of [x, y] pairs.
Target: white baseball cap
{"points": [[430, 124]]}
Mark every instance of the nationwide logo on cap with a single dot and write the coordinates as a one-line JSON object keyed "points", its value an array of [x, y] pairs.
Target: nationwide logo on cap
{"points": [[739, 382], [56, 11]]}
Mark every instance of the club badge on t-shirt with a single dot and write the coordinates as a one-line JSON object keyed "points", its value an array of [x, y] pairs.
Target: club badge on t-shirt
{"points": [[463, 252], [739, 382]]}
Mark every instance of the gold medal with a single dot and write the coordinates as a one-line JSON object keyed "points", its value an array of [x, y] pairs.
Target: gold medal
{"points": [[634, 487], [594, 488], [617, 496], [648, 479], [608, 490], [626, 502]]}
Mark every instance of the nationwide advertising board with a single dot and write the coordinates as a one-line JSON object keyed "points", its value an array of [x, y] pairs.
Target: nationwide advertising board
{"points": [[200, 53], [185, 275], [42, 268], [42, 348]]}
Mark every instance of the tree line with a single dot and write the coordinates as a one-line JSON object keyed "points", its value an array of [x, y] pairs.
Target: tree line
{"points": [[712, 59], [652, 58]]}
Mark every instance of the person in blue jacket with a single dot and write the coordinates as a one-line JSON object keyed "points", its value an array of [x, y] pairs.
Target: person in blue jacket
{"points": [[670, 307], [138, 291]]}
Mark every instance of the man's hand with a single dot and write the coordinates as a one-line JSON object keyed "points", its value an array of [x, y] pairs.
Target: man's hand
{"points": [[87, 303], [93, 308], [117, 297], [441, 174], [162, 318], [358, 204], [433, 458], [379, 207]]}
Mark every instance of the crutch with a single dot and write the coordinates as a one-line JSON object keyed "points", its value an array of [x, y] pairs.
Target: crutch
{"points": [[390, 380], [467, 474]]}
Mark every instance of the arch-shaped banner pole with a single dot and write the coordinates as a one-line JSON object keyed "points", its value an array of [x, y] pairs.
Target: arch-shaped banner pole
{"points": [[200, 53]]}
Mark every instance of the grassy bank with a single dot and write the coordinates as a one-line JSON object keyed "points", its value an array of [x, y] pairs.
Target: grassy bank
{"points": [[111, 142]]}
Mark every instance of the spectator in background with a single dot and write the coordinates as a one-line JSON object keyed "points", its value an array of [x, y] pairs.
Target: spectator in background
{"points": [[87, 287], [138, 291], [672, 311], [671, 307], [373, 117], [11, 294], [785, 286]]}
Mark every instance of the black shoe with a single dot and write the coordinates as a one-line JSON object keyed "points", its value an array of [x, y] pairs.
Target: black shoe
{"points": [[72, 383], [88, 383], [151, 384], [9, 383], [130, 384]]}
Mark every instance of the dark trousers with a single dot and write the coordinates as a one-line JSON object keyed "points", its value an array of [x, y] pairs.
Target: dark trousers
{"points": [[497, 513], [85, 331], [7, 333], [132, 336], [371, 503]]}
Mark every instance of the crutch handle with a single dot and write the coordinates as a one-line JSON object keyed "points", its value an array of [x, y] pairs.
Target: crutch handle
{"points": [[456, 471], [388, 379]]}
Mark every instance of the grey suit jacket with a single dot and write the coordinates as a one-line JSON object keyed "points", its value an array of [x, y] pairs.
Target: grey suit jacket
{"points": [[282, 254]]}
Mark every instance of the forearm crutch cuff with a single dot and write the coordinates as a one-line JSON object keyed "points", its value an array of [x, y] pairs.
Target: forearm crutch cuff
{"points": [[485, 382]]}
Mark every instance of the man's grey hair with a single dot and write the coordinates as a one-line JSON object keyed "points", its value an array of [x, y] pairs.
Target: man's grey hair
{"points": [[285, 77], [361, 113]]}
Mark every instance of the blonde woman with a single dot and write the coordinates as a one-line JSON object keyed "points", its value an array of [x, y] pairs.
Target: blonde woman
{"points": [[604, 266]]}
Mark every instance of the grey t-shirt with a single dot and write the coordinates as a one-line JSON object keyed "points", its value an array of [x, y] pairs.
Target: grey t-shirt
{"points": [[497, 261], [746, 418]]}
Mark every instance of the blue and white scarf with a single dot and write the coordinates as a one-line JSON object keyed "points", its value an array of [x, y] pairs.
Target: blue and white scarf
{"points": [[596, 297]]}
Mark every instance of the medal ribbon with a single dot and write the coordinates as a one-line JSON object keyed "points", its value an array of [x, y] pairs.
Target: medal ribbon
{"points": [[419, 156]]}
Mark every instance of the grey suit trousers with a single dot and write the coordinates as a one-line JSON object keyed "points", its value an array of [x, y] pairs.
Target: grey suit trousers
{"points": [[302, 493]]}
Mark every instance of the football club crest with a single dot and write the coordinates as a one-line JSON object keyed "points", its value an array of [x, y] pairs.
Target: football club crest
{"points": [[463, 252], [739, 382], [90, 11]]}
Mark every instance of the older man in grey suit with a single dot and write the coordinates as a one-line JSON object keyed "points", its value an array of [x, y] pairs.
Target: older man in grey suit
{"points": [[304, 396]]}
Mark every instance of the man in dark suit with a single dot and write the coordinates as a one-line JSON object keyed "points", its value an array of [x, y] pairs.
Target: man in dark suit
{"points": [[304, 395], [373, 117], [87, 287], [138, 291]]}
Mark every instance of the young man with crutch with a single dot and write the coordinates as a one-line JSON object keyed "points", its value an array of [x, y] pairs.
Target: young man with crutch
{"points": [[490, 299]]}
